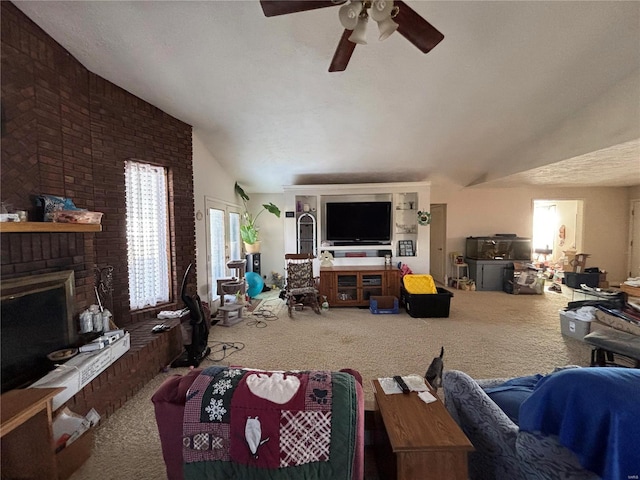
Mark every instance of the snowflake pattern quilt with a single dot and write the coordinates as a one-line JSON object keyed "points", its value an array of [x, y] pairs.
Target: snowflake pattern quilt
{"points": [[253, 424]]}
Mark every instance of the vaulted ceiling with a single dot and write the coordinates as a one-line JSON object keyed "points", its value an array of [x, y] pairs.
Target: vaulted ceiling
{"points": [[517, 93]]}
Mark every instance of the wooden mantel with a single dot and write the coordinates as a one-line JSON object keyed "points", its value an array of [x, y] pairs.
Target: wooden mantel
{"points": [[42, 227]]}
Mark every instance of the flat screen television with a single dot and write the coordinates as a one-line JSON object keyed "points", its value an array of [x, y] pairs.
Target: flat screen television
{"points": [[358, 223]]}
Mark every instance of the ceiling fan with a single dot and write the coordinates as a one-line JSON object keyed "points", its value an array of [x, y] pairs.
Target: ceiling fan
{"points": [[390, 15]]}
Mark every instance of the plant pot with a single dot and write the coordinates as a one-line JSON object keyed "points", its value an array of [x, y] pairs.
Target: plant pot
{"points": [[252, 247]]}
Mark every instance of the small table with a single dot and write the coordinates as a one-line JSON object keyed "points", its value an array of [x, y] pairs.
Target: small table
{"points": [[27, 433], [417, 440]]}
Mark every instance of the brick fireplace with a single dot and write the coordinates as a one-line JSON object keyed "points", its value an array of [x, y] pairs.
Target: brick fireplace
{"points": [[67, 131]]}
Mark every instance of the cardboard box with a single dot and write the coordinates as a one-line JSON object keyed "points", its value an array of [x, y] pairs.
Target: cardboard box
{"points": [[427, 305], [579, 262], [73, 456], [573, 327]]}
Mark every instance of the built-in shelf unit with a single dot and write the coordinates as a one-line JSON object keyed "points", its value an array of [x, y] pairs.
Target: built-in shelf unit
{"points": [[409, 240]]}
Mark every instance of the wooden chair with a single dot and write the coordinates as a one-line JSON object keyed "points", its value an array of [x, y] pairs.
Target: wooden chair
{"points": [[301, 286]]}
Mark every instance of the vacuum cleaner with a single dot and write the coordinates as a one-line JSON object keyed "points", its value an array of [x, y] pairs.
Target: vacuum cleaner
{"points": [[196, 341]]}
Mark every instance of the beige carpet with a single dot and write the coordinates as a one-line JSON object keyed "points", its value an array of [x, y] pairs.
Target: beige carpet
{"points": [[487, 334]]}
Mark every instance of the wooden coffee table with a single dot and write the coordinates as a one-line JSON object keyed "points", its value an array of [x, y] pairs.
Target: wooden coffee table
{"points": [[416, 440]]}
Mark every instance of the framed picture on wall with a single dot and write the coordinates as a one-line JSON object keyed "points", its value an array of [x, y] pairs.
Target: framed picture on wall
{"points": [[405, 248]]}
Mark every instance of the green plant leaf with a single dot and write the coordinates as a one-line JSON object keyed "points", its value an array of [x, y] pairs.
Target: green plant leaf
{"points": [[249, 230], [271, 208], [249, 234], [241, 192]]}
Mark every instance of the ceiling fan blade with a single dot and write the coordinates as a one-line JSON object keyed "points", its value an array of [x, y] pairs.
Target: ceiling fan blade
{"points": [[272, 8], [416, 29], [343, 53]]}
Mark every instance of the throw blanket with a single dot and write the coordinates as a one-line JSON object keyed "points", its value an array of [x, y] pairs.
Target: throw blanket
{"points": [[252, 424], [595, 412]]}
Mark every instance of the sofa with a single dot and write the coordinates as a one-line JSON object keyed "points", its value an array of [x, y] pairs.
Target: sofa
{"points": [[224, 422], [572, 400]]}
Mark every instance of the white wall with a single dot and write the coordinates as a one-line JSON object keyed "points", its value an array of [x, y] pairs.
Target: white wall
{"points": [[271, 233], [478, 211], [209, 180]]}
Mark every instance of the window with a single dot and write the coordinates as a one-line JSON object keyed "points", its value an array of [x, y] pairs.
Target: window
{"points": [[147, 234]]}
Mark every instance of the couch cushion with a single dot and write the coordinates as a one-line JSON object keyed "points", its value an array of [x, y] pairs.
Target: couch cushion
{"points": [[510, 394], [594, 412]]}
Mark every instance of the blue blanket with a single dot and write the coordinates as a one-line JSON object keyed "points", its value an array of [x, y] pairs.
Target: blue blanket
{"points": [[595, 412]]}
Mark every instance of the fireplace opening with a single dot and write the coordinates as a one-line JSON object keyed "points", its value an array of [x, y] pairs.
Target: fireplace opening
{"points": [[36, 318]]}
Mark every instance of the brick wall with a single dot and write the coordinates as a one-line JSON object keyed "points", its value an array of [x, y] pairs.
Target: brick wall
{"points": [[118, 383], [67, 132]]}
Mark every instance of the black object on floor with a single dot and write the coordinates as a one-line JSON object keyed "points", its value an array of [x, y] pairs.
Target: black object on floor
{"points": [[197, 349]]}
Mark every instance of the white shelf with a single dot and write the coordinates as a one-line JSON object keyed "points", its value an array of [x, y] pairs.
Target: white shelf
{"points": [[357, 248]]}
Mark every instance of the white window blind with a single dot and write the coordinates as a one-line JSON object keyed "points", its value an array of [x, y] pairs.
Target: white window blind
{"points": [[147, 232]]}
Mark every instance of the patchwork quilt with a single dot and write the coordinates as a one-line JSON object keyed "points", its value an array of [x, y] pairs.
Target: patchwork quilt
{"points": [[254, 424]]}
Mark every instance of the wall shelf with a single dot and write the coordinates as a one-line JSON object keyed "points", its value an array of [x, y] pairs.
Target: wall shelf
{"points": [[42, 227]]}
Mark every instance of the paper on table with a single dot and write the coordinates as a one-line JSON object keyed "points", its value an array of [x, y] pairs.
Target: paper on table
{"points": [[426, 397], [413, 381]]}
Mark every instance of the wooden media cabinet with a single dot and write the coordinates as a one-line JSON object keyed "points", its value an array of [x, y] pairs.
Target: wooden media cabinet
{"points": [[352, 286]]}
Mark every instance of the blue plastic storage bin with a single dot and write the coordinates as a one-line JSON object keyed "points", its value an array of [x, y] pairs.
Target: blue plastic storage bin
{"points": [[383, 304]]}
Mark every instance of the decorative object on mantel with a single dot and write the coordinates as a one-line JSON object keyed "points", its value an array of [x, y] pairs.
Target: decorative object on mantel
{"points": [[14, 216], [248, 230], [103, 278], [424, 218], [77, 216], [63, 210]]}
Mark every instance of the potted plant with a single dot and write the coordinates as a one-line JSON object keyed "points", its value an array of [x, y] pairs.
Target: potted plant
{"points": [[248, 230]]}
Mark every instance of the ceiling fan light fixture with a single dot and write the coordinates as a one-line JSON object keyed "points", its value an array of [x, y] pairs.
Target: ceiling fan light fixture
{"points": [[359, 33], [381, 9], [386, 28], [349, 14]]}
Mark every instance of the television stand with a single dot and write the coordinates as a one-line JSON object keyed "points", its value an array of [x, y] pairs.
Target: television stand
{"points": [[352, 286], [359, 244]]}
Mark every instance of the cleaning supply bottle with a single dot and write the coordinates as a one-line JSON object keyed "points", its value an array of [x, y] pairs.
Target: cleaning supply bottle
{"points": [[325, 304]]}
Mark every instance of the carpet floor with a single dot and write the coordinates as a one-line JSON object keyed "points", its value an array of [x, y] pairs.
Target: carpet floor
{"points": [[487, 335]]}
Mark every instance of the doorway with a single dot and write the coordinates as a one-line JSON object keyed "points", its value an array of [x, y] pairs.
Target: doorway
{"points": [[557, 228], [634, 242], [438, 242], [223, 241]]}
